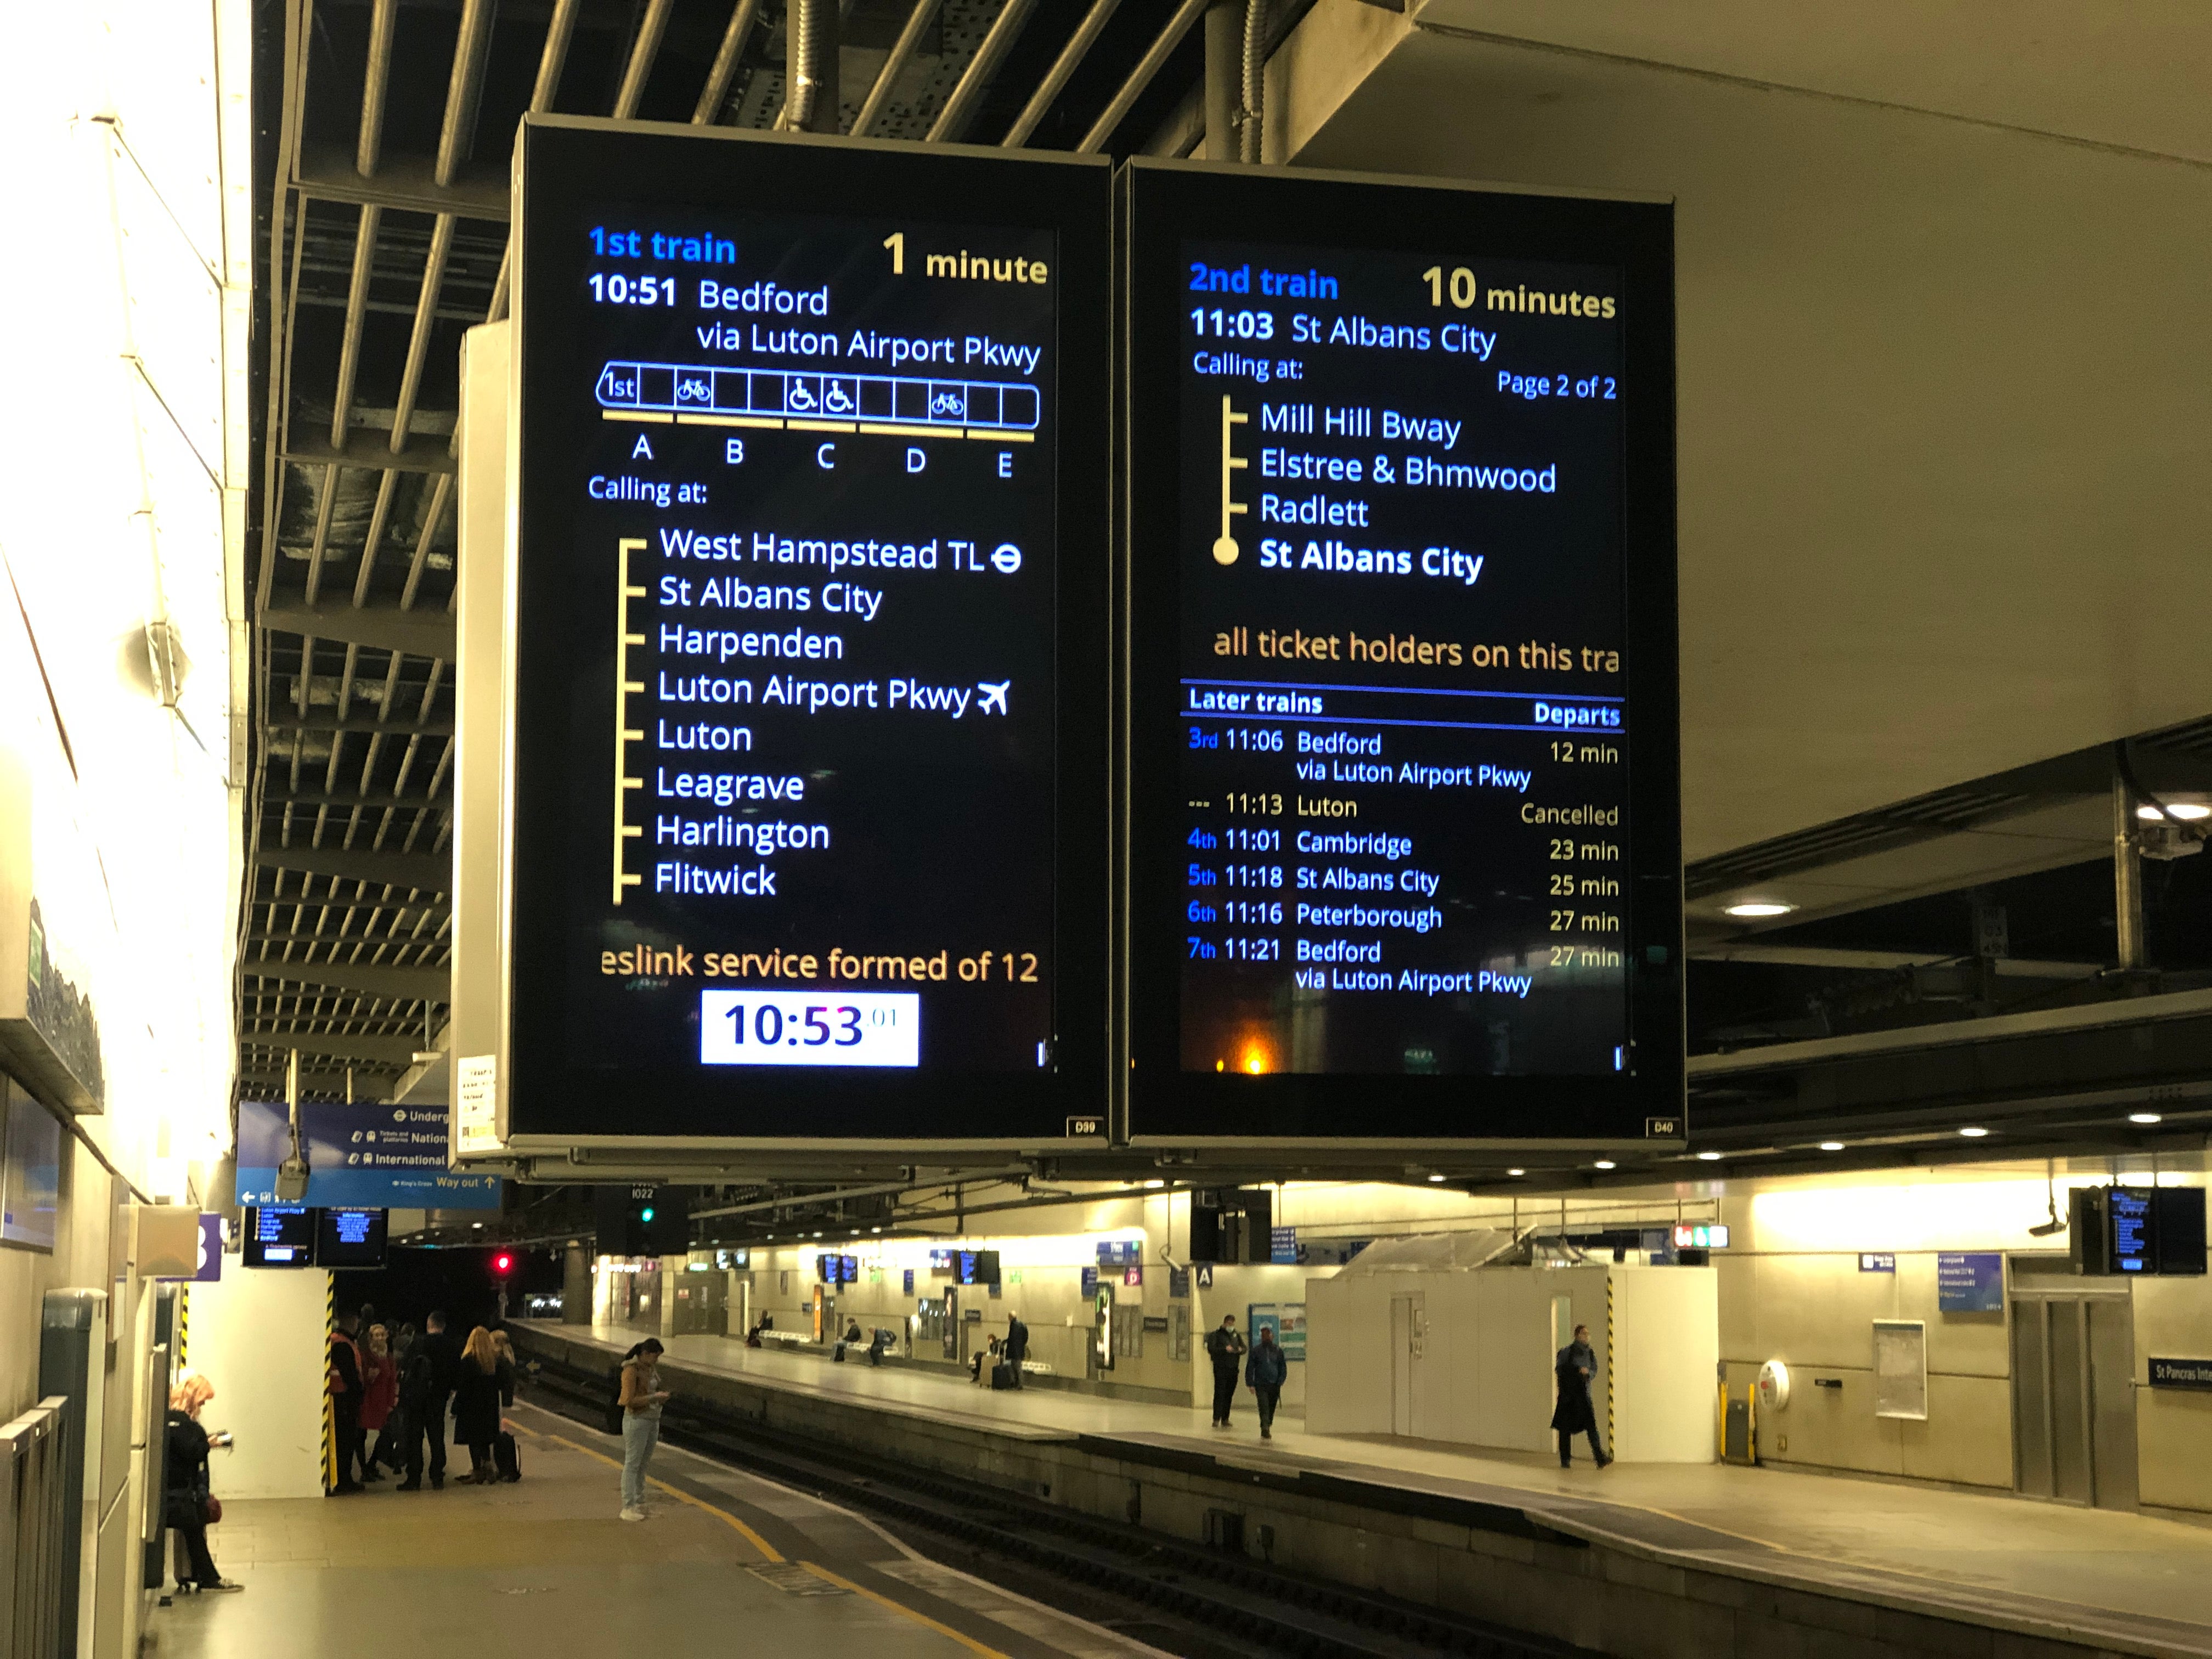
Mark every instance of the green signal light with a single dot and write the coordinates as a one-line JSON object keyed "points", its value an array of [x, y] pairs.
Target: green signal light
{"points": [[646, 1215]]}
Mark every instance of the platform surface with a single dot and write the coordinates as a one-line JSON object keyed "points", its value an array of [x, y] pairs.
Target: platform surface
{"points": [[2135, 1583], [545, 1566]]}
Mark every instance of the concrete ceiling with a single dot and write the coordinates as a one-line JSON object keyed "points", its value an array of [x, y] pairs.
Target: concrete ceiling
{"points": [[1946, 385]]}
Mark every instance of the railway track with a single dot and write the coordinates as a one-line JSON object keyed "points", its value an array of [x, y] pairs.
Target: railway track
{"points": [[1186, 1597]]}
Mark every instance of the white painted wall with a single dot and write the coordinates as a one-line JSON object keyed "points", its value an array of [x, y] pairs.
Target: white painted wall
{"points": [[1484, 1376], [1666, 1357], [259, 1335], [1347, 1357]]}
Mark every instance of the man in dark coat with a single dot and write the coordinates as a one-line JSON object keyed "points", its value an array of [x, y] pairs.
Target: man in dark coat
{"points": [[1015, 1349], [1265, 1373], [1574, 1415], [424, 1388], [1226, 1348]]}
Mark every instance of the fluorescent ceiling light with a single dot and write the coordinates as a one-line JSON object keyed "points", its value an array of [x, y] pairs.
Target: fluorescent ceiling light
{"points": [[1756, 908], [1607, 1164], [1709, 1158], [2146, 1117], [1435, 1177], [1831, 1146], [1973, 1131], [1516, 1172]]}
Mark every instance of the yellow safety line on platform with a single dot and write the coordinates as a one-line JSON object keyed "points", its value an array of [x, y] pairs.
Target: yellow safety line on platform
{"points": [[967, 1642], [751, 1536]]}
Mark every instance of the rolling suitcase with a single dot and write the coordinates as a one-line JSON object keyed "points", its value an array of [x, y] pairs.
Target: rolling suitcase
{"points": [[503, 1456]]}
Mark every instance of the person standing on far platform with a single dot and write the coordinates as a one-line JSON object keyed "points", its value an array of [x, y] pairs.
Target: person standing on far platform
{"points": [[380, 1395], [427, 1384], [1576, 1365], [1015, 1348], [1265, 1373], [479, 1390], [1225, 1348], [342, 1381], [642, 1397]]}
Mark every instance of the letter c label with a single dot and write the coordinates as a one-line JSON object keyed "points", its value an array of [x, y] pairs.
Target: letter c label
{"points": [[826, 456]]}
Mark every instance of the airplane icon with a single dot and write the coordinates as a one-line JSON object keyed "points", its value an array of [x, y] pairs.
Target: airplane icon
{"points": [[991, 694]]}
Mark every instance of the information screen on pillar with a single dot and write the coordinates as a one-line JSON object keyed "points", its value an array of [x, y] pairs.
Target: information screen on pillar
{"points": [[810, 619], [279, 1235], [1405, 855]]}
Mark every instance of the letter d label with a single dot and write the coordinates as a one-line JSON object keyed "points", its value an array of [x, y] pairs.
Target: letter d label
{"points": [[915, 460]]}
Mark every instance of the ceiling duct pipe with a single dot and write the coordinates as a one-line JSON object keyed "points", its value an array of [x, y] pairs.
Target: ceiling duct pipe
{"points": [[810, 68], [1249, 123]]}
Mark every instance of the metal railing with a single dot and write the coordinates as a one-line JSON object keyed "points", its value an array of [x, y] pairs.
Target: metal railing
{"points": [[34, 1521]]}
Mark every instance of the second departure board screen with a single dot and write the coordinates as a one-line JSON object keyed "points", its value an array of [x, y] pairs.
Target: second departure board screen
{"points": [[1402, 835], [794, 456]]}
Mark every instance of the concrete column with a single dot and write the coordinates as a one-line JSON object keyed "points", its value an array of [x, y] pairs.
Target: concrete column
{"points": [[576, 1286]]}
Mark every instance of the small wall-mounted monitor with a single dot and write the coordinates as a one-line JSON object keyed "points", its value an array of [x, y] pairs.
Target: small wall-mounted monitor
{"points": [[351, 1238], [280, 1236]]}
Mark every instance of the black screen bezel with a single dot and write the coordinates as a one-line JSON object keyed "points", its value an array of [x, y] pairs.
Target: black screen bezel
{"points": [[560, 163], [250, 1246], [328, 1251], [1159, 204]]}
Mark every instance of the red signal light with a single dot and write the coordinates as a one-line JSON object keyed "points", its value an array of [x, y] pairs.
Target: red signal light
{"points": [[502, 1263]]}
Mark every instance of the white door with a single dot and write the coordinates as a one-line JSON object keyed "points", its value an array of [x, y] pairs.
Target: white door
{"points": [[1406, 1344]]}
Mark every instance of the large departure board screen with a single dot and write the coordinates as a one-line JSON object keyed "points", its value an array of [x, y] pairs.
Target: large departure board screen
{"points": [[1405, 844], [809, 767]]}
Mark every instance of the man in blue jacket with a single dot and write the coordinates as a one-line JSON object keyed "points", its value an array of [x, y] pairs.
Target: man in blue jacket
{"points": [[1265, 1373]]}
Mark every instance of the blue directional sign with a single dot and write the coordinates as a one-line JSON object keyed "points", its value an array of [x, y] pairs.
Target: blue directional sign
{"points": [[367, 1156]]}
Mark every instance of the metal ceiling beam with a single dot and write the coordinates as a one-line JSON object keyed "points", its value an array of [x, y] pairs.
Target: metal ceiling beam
{"points": [[409, 984], [431, 872], [369, 449], [642, 52], [442, 728], [278, 796], [1149, 66], [902, 54], [960, 107], [383, 1051], [417, 633], [456, 132], [406, 936], [408, 184], [1063, 69]]}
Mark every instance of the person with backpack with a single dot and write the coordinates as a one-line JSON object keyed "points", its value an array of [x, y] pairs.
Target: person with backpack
{"points": [[641, 1399], [1265, 1373]]}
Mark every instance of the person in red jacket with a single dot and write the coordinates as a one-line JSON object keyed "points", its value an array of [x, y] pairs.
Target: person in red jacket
{"points": [[379, 1392]]}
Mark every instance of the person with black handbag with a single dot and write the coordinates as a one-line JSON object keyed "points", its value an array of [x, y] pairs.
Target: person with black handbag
{"points": [[189, 1508]]}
